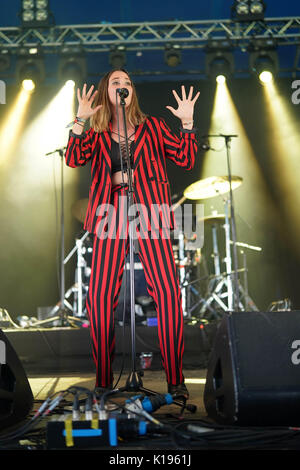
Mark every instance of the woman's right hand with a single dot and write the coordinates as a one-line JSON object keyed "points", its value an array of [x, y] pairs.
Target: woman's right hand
{"points": [[85, 100]]}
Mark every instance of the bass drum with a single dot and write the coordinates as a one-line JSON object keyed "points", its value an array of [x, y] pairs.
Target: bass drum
{"points": [[142, 299]]}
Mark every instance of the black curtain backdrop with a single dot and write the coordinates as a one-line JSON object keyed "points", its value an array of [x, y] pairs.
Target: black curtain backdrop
{"points": [[273, 274]]}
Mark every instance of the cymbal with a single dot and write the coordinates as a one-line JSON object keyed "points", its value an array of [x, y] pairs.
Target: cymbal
{"points": [[79, 209], [211, 187], [213, 219]]}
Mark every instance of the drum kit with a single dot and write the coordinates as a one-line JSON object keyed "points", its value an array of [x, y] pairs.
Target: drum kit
{"points": [[219, 285]]}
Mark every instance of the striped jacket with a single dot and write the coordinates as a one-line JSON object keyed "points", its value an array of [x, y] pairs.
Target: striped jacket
{"points": [[154, 142]]}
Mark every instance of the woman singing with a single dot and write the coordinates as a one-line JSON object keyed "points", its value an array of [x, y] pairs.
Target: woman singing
{"points": [[150, 142]]}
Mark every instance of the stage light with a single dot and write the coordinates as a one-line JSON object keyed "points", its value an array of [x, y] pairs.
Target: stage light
{"points": [[242, 8], [219, 59], [36, 13], [11, 128], [256, 8], [28, 85], [30, 67], [70, 84], [255, 210], [59, 111], [266, 77], [248, 10], [4, 60], [284, 143], [172, 55], [220, 79], [219, 64], [72, 65], [27, 11], [264, 64], [42, 11], [117, 57]]}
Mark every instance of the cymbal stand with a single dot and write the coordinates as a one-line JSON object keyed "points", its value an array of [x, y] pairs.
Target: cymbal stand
{"points": [[78, 287], [62, 307], [225, 279], [216, 254], [249, 304], [228, 262], [182, 270], [234, 295], [216, 294], [186, 286]]}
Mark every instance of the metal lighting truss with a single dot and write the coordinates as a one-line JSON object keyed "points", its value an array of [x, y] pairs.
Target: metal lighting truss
{"points": [[104, 37]]}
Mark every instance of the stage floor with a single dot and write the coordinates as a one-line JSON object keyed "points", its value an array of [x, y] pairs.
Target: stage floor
{"points": [[44, 386], [56, 359]]}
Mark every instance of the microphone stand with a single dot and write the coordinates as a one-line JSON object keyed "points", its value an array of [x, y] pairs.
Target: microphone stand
{"points": [[134, 381], [62, 307], [236, 300]]}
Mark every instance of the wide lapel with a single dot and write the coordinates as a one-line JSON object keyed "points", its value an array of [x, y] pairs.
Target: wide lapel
{"points": [[139, 140], [106, 146]]}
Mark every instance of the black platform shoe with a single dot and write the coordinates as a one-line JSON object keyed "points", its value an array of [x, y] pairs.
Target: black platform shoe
{"points": [[178, 391], [101, 390]]}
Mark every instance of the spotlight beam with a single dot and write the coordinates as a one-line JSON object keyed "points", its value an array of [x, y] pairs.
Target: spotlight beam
{"points": [[11, 129], [284, 142], [250, 211]]}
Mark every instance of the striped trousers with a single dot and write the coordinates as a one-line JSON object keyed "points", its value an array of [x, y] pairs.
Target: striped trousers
{"points": [[156, 256]]}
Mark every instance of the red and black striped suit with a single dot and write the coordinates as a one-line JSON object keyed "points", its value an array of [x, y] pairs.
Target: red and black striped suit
{"points": [[154, 142]]}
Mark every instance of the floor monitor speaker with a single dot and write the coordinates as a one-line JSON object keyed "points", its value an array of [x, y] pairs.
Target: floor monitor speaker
{"points": [[16, 399], [253, 375]]}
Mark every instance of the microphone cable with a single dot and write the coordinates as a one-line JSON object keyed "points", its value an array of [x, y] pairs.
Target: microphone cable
{"points": [[124, 250]]}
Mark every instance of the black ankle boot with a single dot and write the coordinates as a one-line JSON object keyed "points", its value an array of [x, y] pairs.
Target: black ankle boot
{"points": [[178, 391], [101, 390]]}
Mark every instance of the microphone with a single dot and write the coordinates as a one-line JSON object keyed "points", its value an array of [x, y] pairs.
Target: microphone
{"points": [[123, 92], [205, 146], [60, 151]]}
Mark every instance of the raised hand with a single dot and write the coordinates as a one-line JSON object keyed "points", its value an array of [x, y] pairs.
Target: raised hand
{"points": [[185, 110], [85, 101]]}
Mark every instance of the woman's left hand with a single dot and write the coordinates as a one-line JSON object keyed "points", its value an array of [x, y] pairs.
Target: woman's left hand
{"points": [[185, 110]]}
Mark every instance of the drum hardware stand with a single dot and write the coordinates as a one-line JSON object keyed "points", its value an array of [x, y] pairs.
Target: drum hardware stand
{"points": [[248, 302], [185, 286], [182, 271], [216, 254], [189, 285], [77, 288], [233, 287], [184, 277], [225, 281], [63, 307]]}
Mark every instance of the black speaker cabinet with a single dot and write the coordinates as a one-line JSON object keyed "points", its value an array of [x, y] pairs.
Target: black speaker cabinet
{"points": [[253, 375], [16, 398]]}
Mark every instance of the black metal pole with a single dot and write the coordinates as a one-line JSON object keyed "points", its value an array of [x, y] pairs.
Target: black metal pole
{"points": [[236, 297], [134, 381], [62, 246], [228, 137]]}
